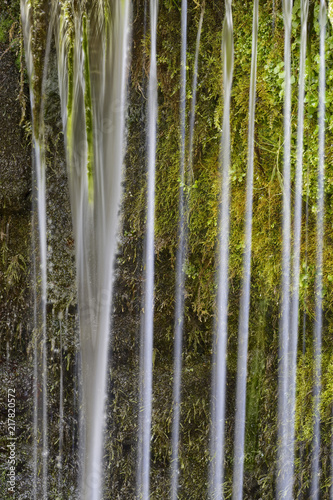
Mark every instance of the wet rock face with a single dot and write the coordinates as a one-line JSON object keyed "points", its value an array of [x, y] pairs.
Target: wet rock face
{"points": [[15, 152], [15, 293], [15, 205]]}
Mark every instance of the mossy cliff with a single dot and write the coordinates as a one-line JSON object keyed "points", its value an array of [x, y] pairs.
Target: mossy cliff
{"points": [[261, 429], [18, 248]]}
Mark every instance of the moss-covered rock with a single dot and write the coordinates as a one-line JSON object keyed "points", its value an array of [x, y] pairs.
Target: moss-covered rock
{"points": [[261, 430]]}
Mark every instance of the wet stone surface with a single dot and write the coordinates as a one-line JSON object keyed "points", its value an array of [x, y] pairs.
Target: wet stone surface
{"points": [[15, 152]]}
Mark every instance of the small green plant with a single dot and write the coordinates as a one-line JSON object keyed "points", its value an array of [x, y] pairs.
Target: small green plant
{"points": [[5, 27]]}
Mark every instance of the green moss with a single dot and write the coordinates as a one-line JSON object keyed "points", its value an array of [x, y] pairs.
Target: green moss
{"points": [[5, 25], [38, 44], [330, 10], [261, 433], [88, 111], [203, 224]]}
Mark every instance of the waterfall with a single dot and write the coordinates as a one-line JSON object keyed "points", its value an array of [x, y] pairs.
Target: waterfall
{"points": [[282, 480], [92, 45], [180, 263], [146, 355], [221, 326], [243, 329], [38, 132], [319, 264], [92, 60]]}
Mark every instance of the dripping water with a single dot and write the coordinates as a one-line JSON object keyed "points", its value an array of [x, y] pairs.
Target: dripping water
{"points": [[141, 350], [75, 418], [294, 315], [220, 341], [95, 96], [79, 416], [146, 355], [283, 487], [304, 325], [35, 353], [243, 331], [180, 272], [319, 263], [41, 185], [40, 173]]}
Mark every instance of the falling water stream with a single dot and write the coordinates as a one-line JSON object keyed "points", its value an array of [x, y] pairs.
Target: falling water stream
{"points": [[92, 61], [221, 324], [283, 488], [294, 315], [243, 329], [146, 368], [143, 297], [27, 16], [35, 355], [92, 43], [180, 264]]}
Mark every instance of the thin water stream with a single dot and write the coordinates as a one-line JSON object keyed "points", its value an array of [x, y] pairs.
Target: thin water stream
{"points": [[221, 322], [27, 16], [294, 315], [92, 76], [180, 265], [283, 487], [146, 355], [243, 329], [145, 87], [35, 354], [92, 47]]}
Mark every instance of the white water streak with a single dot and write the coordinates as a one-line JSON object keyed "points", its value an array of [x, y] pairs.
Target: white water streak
{"points": [[282, 484], [41, 183], [294, 317], [35, 343], [146, 355], [180, 272], [141, 353], [221, 324], [319, 263], [243, 330], [40, 169], [95, 204]]}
